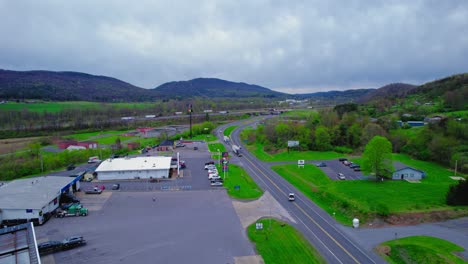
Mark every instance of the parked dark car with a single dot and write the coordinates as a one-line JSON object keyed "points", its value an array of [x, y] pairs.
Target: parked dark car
{"points": [[354, 165], [321, 164], [209, 163], [357, 169], [116, 186], [49, 247], [71, 167], [342, 159], [195, 148], [73, 241]]}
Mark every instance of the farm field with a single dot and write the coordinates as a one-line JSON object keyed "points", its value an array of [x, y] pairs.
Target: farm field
{"points": [[95, 135], [279, 242], [420, 249], [300, 113], [54, 107], [367, 197], [15, 144]]}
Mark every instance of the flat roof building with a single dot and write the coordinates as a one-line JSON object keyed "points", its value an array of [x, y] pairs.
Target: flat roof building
{"points": [[134, 168], [18, 245], [33, 199]]}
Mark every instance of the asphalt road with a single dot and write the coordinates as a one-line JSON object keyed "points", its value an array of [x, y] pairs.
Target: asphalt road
{"points": [[316, 225]]}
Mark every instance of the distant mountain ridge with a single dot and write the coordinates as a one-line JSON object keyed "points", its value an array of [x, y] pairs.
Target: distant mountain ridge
{"points": [[68, 86], [389, 91], [338, 96], [212, 87]]}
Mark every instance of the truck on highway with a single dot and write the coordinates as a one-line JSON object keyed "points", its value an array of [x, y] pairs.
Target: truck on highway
{"points": [[73, 210], [236, 150]]}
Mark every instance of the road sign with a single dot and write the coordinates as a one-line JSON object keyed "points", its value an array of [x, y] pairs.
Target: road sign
{"points": [[237, 187], [259, 226]]}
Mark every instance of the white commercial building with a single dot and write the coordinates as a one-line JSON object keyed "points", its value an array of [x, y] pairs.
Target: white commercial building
{"points": [[33, 199], [134, 168]]}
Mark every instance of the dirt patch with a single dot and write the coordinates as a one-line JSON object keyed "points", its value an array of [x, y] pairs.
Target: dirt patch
{"points": [[383, 250], [416, 218], [13, 144]]}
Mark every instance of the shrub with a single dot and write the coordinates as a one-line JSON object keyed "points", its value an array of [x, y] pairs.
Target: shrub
{"points": [[344, 150], [458, 194]]}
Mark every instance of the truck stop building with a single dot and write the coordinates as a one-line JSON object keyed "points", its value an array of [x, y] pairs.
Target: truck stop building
{"points": [[134, 168], [33, 199]]}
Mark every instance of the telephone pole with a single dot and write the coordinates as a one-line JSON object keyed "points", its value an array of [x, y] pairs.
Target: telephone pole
{"points": [[190, 114]]}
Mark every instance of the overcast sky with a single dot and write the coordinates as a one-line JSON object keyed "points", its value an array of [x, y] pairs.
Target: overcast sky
{"points": [[290, 46]]}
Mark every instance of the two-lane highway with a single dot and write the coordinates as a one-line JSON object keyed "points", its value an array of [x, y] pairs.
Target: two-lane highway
{"points": [[316, 225]]}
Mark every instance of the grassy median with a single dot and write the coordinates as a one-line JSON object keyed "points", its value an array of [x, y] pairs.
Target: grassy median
{"points": [[238, 183], [420, 249], [279, 242]]}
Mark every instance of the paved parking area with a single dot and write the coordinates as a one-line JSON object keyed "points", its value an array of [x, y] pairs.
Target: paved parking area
{"points": [[335, 166], [177, 227]]}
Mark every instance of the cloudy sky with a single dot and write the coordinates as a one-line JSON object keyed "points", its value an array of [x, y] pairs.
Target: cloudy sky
{"points": [[290, 46]]}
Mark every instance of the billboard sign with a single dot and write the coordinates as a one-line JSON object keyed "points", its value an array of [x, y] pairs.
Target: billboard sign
{"points": [[292, 143]]}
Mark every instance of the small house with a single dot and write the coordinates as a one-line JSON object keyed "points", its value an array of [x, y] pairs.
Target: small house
{"points": [[166, 145], [408, 173]]}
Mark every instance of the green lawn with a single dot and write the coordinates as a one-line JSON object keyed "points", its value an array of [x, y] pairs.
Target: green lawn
{"points": [[236, 176], [94, 135], [365, 198], [111, 140], [293, 155], [300, 113], [213, 147], [422, 249], [205, 137], [228, 131], [281, 243]]}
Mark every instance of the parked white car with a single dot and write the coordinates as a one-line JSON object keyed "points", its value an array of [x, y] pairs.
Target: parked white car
{"points": [[213, 176]]}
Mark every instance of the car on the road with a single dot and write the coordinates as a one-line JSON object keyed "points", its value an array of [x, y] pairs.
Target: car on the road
{"points": [[49, 247], [179, 145], [216, 183], [94, 159], [291, 197], [116, 186], [195, 148], [354, 165], [347, 163], [341, 176], [321, 164], [213, 176], [73, 241]]}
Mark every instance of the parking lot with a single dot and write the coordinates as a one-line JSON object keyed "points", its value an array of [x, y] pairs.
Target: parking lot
{"points": [[335, 166], [179, 220]]}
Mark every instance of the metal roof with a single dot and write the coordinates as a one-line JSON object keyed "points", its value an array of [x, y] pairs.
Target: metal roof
{"points": [[135, 163], [31, 193], [18, 245]]}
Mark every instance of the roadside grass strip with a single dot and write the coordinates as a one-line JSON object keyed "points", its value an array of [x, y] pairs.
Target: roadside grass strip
{"points": [[205, 137], [279, 243], [228, 131], [213, 147], [420, 249], [239, 184]]}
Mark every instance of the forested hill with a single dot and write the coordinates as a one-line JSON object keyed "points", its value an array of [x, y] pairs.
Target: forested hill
{"points": [[212, 87], [338, 96], [68, 86], [388, 92]]}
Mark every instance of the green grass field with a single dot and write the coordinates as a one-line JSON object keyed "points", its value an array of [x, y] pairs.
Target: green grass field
{"points": [[305, 113], [280, 243], [213, 147], [365, 198], [228, 131], [54, 107], [422, 249], [236, 176], [111, 140], [94, 135], [205, 137], [293, 155]]}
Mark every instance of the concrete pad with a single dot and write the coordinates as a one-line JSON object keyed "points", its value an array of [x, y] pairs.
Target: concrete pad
{"points": [[257, 259], [265, 206], [94, 202]]}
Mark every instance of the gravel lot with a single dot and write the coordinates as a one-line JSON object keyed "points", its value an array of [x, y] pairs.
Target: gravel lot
{"points": [[178, 227], [335, 166]]}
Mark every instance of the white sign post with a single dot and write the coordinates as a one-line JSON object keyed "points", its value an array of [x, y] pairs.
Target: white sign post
{"points": [[300, 163]]}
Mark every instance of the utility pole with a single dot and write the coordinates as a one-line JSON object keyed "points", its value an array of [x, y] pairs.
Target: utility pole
{"points": [[190, 114]]}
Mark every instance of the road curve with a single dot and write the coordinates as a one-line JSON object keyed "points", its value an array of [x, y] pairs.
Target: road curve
{"points": [[314, 223]]}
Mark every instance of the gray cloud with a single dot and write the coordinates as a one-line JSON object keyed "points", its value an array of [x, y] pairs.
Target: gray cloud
{"points": [[302, 46]]}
